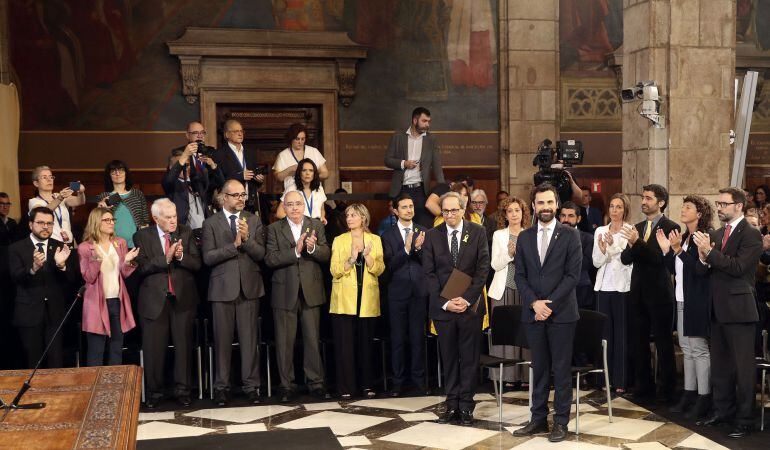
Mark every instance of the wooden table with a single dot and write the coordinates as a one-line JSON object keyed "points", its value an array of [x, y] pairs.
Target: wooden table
{"points": [[86, 408]]}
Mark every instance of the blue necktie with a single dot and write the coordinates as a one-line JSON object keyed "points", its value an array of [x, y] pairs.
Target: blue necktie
{"points": [[233, 228]]}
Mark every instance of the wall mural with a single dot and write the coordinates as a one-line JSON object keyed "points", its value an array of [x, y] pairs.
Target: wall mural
{"points": [[104, 64]]}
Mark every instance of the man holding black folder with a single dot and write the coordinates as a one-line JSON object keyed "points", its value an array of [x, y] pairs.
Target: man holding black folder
{"points": [[455, 259], [548, 260]]}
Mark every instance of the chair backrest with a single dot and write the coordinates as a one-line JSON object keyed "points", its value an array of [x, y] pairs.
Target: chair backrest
{"points": [[589, 333], [505, 326]]}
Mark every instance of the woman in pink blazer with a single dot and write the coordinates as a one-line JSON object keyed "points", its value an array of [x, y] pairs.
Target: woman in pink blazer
{"points": [[105, 262]]}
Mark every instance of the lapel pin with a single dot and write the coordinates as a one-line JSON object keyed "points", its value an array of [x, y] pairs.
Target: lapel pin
{"points": [[465, 239]]}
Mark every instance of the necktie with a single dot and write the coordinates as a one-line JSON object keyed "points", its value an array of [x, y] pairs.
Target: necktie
{"points": [[543, 245], [406, 233], [166, 246], [40, 247], [648, 231], [233, 228], [455, 248], [725, 237]]}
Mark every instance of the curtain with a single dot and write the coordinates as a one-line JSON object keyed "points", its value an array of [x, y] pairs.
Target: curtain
{"points": [[9, 145]]}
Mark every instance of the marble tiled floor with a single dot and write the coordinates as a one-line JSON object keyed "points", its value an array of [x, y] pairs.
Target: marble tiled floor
{"points": [[408, 423]]}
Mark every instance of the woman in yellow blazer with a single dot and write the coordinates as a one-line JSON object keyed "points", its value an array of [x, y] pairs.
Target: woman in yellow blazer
{"points": [[356, 263]]}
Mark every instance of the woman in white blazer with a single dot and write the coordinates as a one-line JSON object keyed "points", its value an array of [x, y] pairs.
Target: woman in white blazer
{"points": [[503, 291], [613, 281]]}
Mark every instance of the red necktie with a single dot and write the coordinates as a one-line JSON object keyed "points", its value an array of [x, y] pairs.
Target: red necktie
{"points": [[725, 237], [166, 247]]}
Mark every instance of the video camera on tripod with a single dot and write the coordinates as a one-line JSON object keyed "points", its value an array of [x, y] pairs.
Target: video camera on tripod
{"points": [[552, 162]]}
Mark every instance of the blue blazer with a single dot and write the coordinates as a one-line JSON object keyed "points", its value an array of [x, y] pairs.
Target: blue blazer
{"points": [[404, 271], [555, 279]]}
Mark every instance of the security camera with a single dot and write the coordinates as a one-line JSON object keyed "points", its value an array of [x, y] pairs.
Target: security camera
{"points": [[644, 89]]}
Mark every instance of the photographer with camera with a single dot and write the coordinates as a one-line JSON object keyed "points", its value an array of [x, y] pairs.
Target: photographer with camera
{"points": [[200, 155], [553, 163], [59, 202], [126, 202], [237, 164]]}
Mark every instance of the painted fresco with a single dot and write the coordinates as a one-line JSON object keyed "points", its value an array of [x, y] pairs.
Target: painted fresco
{"points": [[104, 64], [589, 30]]}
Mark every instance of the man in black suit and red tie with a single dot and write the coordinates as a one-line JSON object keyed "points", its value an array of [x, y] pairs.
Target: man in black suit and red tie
{"points": [[548, 260], [462, 245], [731, 254]]}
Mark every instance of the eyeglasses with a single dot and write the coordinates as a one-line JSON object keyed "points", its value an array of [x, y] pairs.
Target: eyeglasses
{"points": [[450, 212], [109, 220], [46, 177], [40, 223], [723, 204], [235, 131], [237, 195], [5, 204], [118, 170], [197, 133], [478, 203]]}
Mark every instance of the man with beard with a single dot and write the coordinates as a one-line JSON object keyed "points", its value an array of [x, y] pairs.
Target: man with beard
{"points": [[570, 215], [548, 259], [412, 156], [731, 255], [652, 296]]}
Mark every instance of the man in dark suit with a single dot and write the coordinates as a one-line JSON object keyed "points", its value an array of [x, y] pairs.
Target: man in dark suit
{"points": [[462, 245], [233, 245], [168, 298], [10, 232], [412, 156], [407, 297], [296, 248], [39, 266], [569, 214], [548, 260], [591, 215], [651, 296], [189, 182], [731, 254], [237, 163]]}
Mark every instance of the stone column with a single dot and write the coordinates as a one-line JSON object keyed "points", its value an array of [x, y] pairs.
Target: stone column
{"points": [[688, 48], [529, 86]]}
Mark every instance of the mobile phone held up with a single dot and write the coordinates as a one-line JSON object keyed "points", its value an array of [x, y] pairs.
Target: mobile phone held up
{"points": [[75, 186]]}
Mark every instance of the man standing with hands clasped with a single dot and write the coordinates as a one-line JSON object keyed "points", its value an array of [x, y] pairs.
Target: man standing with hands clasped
{"points": [[548, 260], [731, 255]]}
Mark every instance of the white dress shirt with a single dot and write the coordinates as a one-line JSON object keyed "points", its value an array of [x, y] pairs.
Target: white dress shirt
{"points": [[241, 157], [613, 275], [414, 152], [679, 273], [35, 241], [296, 232], [718, 245], [401, 228]]}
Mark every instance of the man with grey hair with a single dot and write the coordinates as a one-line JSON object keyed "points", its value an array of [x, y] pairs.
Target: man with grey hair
{"points": [[457, 245], [296, 248], [479, 204], [237, 163], [168, 298]]}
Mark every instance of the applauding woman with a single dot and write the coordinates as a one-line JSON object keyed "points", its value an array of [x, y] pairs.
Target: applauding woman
{"points": [[311, 189], [105, 262], [58, 202], [125, 201], [613, 281], [357, 261], [503, 288]]}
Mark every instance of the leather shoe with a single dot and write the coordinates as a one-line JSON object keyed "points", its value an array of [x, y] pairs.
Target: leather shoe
{"points": [[220, 398], [285, 396], [151, 403], [466, 417], [558, 433], [395, 392], [321, 393], [532, 428], [449, 416], [739, 431], [254, 398], [712, 421], [184, 400]]}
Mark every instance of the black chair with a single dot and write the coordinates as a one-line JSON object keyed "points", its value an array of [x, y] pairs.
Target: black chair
{"points": [[763, 364], [589, 340], [505, 329]]}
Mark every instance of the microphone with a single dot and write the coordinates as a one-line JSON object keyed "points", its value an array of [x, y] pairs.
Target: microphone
{"points": [[81, 291]]}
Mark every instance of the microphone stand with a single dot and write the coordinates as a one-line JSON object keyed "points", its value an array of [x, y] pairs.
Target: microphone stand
{"points": [[25, 387]]}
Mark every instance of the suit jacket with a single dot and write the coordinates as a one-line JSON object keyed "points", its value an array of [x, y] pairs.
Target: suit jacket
{"points": [[291, 272], [430, 159], [490, 225], [555, 279], [473, 260], [201, 183], [153, 271], [695, 287], [231, 168], [96, 317], [10, 232], [404, 271], [650, 280], [587, 245], [594, 217], [732, 273], [233, 270], [46, 286], [345, 283]]}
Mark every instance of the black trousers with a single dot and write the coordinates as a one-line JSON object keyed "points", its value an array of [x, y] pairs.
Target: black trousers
{"points": [[35, 338], [155, 334], [407, 331], [615, 306], [353, 349], [96, 342], [659, 320], [551, 347], [459, 344], [421, 215], [732, 370]]}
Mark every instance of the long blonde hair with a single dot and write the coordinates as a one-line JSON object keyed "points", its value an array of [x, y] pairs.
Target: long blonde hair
{"points": [[91, 232]]}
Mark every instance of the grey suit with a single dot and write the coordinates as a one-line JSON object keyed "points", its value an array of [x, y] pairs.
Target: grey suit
{"points": [[235, 286], [298, 290]]}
